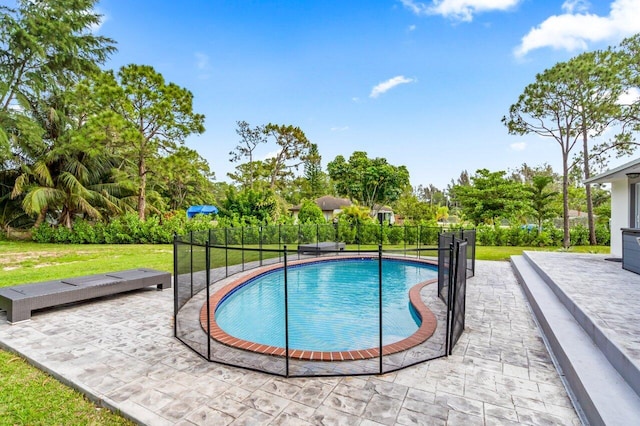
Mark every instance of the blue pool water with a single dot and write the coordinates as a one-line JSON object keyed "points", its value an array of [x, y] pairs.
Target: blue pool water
{"points": [[333, 305]]}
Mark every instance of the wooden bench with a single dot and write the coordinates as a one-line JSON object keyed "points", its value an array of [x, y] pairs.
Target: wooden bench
{"points": [[20, 300], [317, 248]]}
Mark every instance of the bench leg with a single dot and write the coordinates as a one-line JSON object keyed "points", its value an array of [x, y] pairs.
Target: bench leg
{"points": [[164, 284], [17, 313]]}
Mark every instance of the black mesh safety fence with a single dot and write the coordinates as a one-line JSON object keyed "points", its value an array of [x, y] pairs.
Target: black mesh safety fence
{"points": [[220, 265], [458, 293]]}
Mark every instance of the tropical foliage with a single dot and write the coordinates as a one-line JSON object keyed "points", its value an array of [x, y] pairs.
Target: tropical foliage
{"points": [[84, 150]]}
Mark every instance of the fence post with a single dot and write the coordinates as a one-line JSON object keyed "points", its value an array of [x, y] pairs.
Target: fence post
{"points": [[226, 252], [279, 239], [286, 315], [176, 281], [242, 244], [208, 279], [449, 300], [405, 240], [191, 259], [380, 300], [260, 243]]}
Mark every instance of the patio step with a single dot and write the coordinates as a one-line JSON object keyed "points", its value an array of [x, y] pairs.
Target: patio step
{"points": [[582, 353]]}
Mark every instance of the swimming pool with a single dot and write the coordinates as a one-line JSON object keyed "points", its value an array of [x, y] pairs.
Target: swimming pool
{"points": [[333, 307]]}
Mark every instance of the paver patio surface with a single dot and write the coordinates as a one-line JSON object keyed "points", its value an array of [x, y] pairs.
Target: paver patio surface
{"points": [[121, 351], [603, 291]]}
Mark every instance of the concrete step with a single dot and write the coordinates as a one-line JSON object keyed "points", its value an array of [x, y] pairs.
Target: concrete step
{"points": [[602, 395], [616, 355]]}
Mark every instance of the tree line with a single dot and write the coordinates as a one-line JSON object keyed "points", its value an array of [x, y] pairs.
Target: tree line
{"points": [[82, 144]]}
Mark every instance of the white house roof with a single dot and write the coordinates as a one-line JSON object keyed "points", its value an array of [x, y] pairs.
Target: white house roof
{"points": [[617, 173]]}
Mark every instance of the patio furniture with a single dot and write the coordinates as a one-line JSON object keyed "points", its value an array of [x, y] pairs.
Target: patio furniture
{"points": [[317, 248], [20, 300]]}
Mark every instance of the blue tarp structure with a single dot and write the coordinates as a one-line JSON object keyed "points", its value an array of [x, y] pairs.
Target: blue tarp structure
{"points": [[194, 210]]}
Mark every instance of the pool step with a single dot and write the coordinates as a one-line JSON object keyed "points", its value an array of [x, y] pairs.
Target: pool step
{"points": [[605, 392]]}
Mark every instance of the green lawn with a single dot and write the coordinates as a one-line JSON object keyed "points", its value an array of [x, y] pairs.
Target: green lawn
{"points": [[505, 252], [25, 262], [29, 396]]}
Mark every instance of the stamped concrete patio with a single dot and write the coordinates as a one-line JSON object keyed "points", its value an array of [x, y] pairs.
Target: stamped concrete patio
{"points": [[121, 353]]}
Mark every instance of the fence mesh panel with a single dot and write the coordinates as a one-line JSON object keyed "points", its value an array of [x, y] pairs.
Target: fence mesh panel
{"points": [[208, 261], [459, 293]]}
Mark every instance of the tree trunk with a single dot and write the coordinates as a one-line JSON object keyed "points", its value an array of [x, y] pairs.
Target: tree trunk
{"points": [[566, 241], [142, 194], [585, 153], [41, 217]]}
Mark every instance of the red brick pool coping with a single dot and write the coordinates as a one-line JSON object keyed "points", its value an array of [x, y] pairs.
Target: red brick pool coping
{"points": [[424, 332]]}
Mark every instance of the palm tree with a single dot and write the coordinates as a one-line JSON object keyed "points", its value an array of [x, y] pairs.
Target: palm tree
{"points": [[542, 199], [69, 185]]}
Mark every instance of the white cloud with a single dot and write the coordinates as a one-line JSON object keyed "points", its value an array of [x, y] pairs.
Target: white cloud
{"points": [[630, 96], [462, 10], [571, 6], [385, 86], [574, 29], [518, 146], [202, 61], [412, 28], [94, 28]]}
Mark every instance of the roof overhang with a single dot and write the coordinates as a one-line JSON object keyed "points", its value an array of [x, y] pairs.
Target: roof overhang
{"points": [[618, 173]]}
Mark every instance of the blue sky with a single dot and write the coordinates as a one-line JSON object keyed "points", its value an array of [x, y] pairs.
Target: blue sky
{"points": [[423, 84]]}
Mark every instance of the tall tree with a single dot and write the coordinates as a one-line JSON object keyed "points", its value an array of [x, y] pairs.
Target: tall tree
{"points": [[315, 178], [186, 179], [368, 181], [250, 138], [252, 175], [72, 175], [45, 47], [47, 43], [549, 108], [491, 196], [597, 88], [293, 148], [412, 209], [156, 117], [541, 198], [629, 57]]}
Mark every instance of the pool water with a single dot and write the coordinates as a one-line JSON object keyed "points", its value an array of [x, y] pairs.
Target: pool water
{"points": [[333, 305]]}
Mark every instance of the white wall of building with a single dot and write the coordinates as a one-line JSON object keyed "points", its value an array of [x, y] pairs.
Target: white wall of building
{"points": [[620, 210]]}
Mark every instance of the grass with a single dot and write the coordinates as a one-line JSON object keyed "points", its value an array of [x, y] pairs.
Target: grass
{"points": [[24, 262], [505, 252], [29, 396]]}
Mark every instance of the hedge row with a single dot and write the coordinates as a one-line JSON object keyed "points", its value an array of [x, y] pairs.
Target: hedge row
{"points": [[547, 237], [129, 229]]}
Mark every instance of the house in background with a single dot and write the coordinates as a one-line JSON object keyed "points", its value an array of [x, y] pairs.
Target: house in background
{"points": [[384, 214], [625, 207], [331, 206]]}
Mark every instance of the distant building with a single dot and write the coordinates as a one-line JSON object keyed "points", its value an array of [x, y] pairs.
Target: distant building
{"points": [[331, 206], [625, 200], [384, 214]]}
